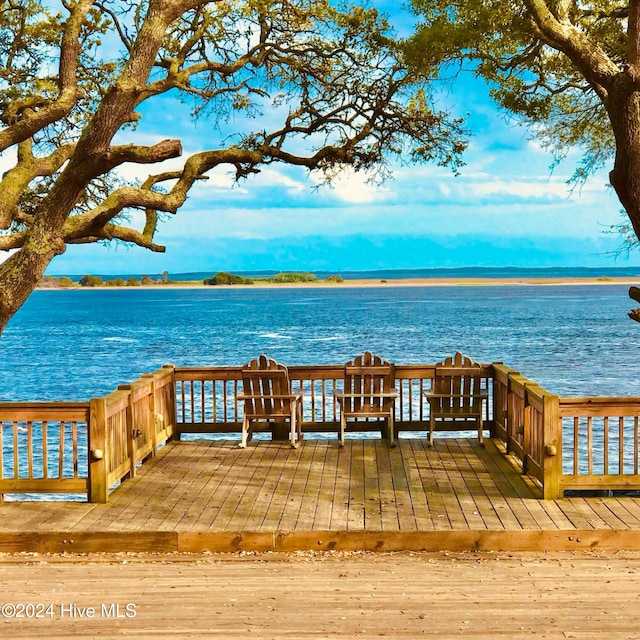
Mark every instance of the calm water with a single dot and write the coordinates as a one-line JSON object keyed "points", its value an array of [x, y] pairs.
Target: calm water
{"points": [[72, 345]]}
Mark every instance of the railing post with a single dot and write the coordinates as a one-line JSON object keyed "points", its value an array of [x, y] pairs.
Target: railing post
{"points": [[131, 434], [552, 460], [151, 418], [172, 401], [526, 436], [531, 436], [495, 409], [97, 472], [513, 429]]}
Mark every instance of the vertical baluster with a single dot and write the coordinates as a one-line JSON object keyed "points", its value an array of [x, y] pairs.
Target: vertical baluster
{"points": [[224, 401], [605, 445], [114, 433], [576, 439], [590, 445], [16, 459], [61, 450], [312, 386], [74, 440], [635, 444], [29, 449], [182, 400], [45, 451], [490, 391], [323, 387], [235, 400], [214, 400], [192, 400], [530, 433], [421, 400], [410, 400], [620, 445], [202, 402]]}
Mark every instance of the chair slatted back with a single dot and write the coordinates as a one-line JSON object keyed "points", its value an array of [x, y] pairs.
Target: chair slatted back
{"points": [[459, 379], [264, 380], [365, 376]]}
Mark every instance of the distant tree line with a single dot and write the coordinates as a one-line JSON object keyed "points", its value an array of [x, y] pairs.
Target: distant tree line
{"points": [[225, 278], [88, 280], [220, 278]]}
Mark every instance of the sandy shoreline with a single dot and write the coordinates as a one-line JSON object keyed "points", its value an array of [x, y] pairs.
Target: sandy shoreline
{"points": [[399, 282]]}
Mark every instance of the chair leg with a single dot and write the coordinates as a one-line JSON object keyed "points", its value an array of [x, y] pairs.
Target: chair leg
{"points": [[343, 426], [293, 434], [299, 424], [392, 440], [431, 428], [480, 434], [245, 432]]}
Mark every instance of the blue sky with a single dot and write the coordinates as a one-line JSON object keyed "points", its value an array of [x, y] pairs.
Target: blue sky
{"points": [[506, 208]]}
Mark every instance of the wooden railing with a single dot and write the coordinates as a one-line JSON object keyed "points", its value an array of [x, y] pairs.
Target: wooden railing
{"points": [[601, 443], [526, 420], [206, 398], [567, 444], [126, 428], [88, 448], [43, 447]]}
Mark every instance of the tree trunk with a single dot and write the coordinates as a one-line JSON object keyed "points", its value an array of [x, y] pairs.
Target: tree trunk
{"points": [[623, 107], [20, 274]]}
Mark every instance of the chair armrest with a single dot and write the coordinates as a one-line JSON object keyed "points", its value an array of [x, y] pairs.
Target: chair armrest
{"points": [[389, 394], [293, 396], [429, 394]]}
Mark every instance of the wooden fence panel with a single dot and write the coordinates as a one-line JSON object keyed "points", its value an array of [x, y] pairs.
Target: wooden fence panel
{"points": [[602, 443], [43, 447], [206, 399]]}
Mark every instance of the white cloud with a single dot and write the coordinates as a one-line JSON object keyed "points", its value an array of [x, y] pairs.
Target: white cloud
{"points": [[520, 188], [5, 255], [356, 187], [271, 177], [8, 159]]}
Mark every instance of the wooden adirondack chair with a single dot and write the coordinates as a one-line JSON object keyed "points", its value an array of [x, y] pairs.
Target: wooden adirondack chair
{"points": [[368, 393], [267, 396], [456, 398]]}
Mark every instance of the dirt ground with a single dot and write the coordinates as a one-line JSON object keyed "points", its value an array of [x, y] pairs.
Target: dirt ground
{"points": [[321, 595]]}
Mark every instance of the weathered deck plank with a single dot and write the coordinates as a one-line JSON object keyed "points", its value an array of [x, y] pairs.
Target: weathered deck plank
{"points": [[290, 462], [260, 507], [197, 502], [329, 478], [467, 499], [455, 494], [257, 487], [450, 500], [476, 478], [340, 498], [401, 478], [162, 492], [355, 517], [233, 489], [483, 596], [291, 510], [311, 496], [627, 510], [419, 463]]}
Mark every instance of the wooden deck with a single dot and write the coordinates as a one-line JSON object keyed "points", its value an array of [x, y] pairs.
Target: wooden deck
{"points": [[307, 596], [211, 495]]}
